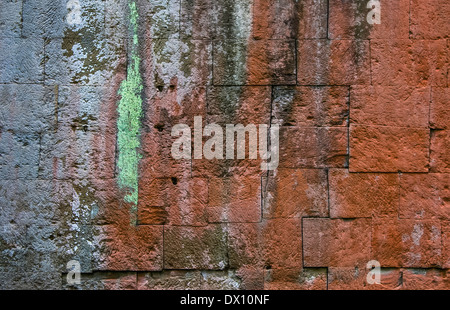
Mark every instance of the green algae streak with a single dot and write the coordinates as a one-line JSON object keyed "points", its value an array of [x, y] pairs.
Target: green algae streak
{"points": [[129, 119]]}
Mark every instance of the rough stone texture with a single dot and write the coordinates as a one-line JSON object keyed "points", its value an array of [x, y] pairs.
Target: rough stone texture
{"points": [[274, 66], [239, 105], [137, 248], [355, 195], [309, 147], [76, 153], [364, 168], [440, 151], [424, 196], [429, 19], [354, 278], [445, 244], [273, 244], [234, 199], [75, 60], [388, 149], [172, 201], [426, 279], [49, 18], [310, 106], [296, 193], [21, 60], [390, 106], [283, 19], [439, 109], [19, 155], [336, 242], [407, 243], [10, 18], [189, 280], [307, 279], [203, 248], [348, 20], [195, 19], [333, 62], [104, 280], [409, 62]]}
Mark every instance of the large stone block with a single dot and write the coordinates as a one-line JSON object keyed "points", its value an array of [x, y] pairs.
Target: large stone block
{"points": [[60, 18], [390, 106], [239, 105], [424, 196], [103, 280], [72, 153], [125, 247], [19, 155], [273, 244], [197, 19], [10, 16], [232, 19], [295, 193], [407, 243], [21, 60], [333, 62], [426, 279], [439, 109], [284, 19], [84, 108], [234, 199], [240, 62], [173, 201], [26, 108], [355, 195], [336, 242], [409, 62], [354, 278], [309, 147], [440, 151], [177, 65], [82, 59], [388, 149], [189, 280], [195, 247], [305, 279], [348, 20], [429, 19], [283, 244], [310, 106]]}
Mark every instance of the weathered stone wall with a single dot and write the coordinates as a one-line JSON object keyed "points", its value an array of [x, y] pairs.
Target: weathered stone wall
{"points": [[88, 99]]}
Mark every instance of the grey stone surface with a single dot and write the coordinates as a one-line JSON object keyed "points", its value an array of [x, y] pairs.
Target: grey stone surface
{"points": [[19, 155], [10, 18], [26, 108], [21, 60], [82, 60], [41, 229]]}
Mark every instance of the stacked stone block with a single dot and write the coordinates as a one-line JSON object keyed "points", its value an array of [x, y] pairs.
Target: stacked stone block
{"points": [[363, 112]]}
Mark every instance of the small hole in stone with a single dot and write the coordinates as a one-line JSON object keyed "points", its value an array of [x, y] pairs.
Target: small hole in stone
{"points": [[159, 127], [160, 88], [174, 181], [172, 87]]}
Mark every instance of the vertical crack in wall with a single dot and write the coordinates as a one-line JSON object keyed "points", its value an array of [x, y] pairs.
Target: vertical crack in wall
{"points": [[129, 120]]}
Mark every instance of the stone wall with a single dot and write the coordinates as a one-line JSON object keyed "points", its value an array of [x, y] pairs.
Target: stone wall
{"points": [[90, 91]]}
